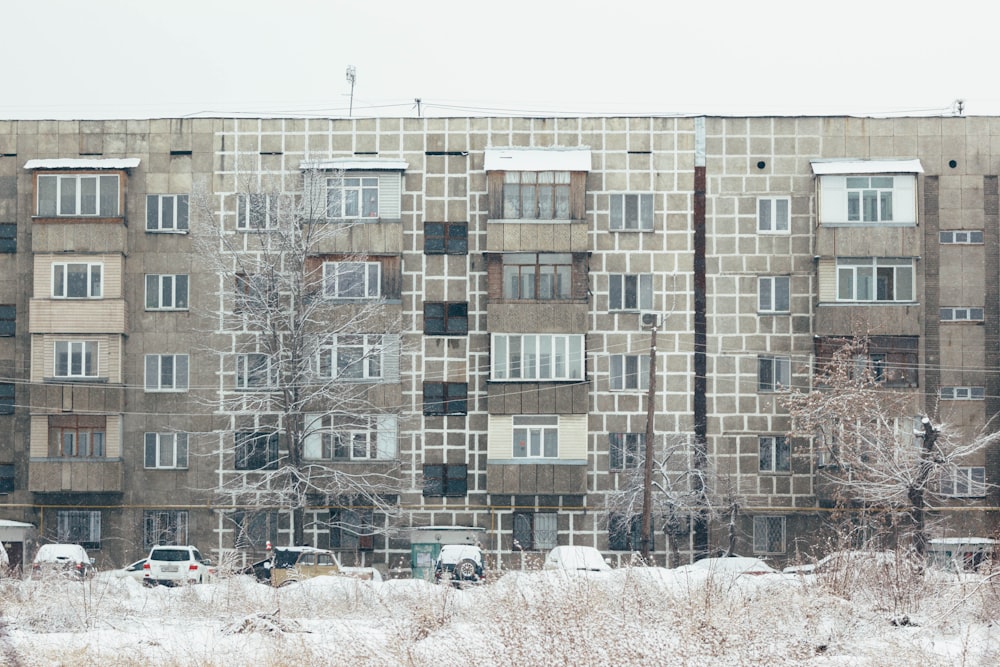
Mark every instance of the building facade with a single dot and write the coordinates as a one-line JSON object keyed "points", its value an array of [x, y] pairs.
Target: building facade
{"points": [[526, 261]]}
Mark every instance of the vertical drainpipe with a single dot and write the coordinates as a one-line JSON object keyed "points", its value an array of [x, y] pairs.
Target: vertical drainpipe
{"points": [[700, 528]]}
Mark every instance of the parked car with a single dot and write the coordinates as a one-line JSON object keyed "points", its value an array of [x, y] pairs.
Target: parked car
{"points": [[459, 564], [575, 558], [271, 570], [133, 570], [309, 562], [4, 561], [173, 565], [62, 559], [731, 565]]}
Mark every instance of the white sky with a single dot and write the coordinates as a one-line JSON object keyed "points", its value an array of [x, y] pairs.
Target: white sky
{"points": [[154, 58]]}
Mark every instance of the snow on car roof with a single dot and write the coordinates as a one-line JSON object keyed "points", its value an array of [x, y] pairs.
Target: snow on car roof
{"points": [[54, 551]]}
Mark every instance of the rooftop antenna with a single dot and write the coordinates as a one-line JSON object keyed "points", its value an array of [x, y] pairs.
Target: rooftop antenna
{"points": [[417, 101], [958, 107], [352, 75]]}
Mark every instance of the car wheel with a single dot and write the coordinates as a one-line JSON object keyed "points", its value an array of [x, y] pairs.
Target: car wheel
{"points": [[466, 570], [286, 582]]}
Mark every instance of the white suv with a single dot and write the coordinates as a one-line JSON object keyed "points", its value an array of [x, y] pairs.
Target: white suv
{"points": [[172, 565]]}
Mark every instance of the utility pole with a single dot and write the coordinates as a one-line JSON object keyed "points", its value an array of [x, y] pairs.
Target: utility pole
{"points": [[647, 472], [352, 75]]}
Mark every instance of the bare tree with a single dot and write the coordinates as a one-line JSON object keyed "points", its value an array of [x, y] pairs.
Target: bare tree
{"points": [[304, 341], [882, 453]]}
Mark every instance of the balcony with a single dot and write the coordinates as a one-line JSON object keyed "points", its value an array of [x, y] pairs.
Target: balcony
{"points": [[536, 478], [78, 476]]}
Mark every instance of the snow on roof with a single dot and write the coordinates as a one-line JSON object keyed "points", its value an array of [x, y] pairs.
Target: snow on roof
{"points": [[824, 167], [81, 163], [356, 164], [537, 159], [963, 540], [6, 523]]}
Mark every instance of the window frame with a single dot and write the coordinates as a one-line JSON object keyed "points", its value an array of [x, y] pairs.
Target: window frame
{"points": [[619, 286], [962, 393], [548, 276], [525, 529], [169, 527], [61, 276], [521, 188], [338, 440], [626, 450], [93, 446], [774, 454], [101, 179], [371, 360], [762, 538], [336, 189], [180, 370], [160, 284], [175, 444], [773, 226], [8, 320], [534, 437], [952, 236], [257, 211], [854, 266], [8, 237], [248, 454], [961, 482], [962, 314], [543, 355], [89, 352], [7, 478], [371, 280], [245, 373], [619, 214], [621, 373], [452, 397], [453, 238], [780, 368], [625, 533], [157, 214], [445, 480], [90, 538], [858, 198], [769, 286], [453, 318], [342, 538], [8, 398]]}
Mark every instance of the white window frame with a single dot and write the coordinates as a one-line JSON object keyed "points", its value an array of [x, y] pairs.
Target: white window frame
{"points": [[173, 286], [94, 280], [967, 314], [860, 189], [964, 482], [86, 350], [779, 368], [367, 357], [637, 285], [78, 199], [366, 438], [961, 237], [257, 211], [774, 215], [631, 212], [967, 393], [246, 373], [165, 451], [178, 373], [537, 357], [79, 517], [628, 372], [862, 275], [768, 294], [167, 214], [763, 526], [535, 437], [774, 445], [335, 272], [351, 197]]}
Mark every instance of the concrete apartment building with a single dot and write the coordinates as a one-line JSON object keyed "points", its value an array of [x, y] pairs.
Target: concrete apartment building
{"points": [[525, 259]]}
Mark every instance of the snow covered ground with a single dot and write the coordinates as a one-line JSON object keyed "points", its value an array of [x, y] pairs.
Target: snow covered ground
{"points": [[633, 616]]}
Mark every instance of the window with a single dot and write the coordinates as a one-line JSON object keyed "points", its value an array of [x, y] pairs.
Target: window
{"points": [[963, 393], [352, 197], [76, 359], [769, 534], [535, 357], [166, 451], [627, 450], [774, 373], [8, 237], [962, 236], [772, 215], [536, 436], [6, 398], [256, 211], [253, 371], [353, 357], [630, 291], [450, 481], [254, 293], [446, 238], [892, 360], [166, 292], [350, 437], [76, 281], [253, 530], [869, 198], [256, 451], [446, 318], [874, 279], [77, 436], [625, 533], [535, 531], [80, 195], [8, 315], [166, 213], [166, 372], [773, 294], [775, 454], [352, 280], [446, 398], [164, 527], [81, 527], [352, 529], [536, 195], [537, 276], [629, 372], [961, 314], [631, 212], [964, 482], [6, 478]]}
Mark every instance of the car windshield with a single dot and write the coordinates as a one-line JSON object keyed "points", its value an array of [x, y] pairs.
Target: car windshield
{"points": [[170, 554]]}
